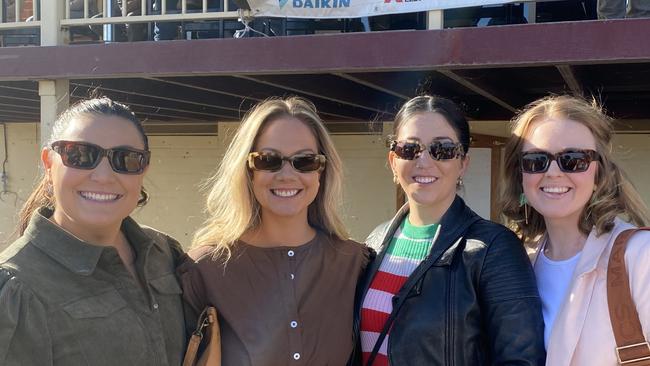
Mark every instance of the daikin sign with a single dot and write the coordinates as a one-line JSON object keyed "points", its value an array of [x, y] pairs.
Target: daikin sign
{"points": [[354, 8]]}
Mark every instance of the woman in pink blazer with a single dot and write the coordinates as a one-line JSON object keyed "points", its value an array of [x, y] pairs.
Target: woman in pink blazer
{"points": [[566, 195]]}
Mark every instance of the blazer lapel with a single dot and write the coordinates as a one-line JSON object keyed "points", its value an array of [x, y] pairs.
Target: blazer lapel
{"points": [[573, 312]]}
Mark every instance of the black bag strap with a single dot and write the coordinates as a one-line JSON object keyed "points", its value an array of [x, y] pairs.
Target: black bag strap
{"points": [[408, 286]]}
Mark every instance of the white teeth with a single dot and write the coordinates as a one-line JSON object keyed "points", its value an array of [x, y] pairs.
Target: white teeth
{"points": [[285, 192], [555, 189], [102, 197], [425, 180]]}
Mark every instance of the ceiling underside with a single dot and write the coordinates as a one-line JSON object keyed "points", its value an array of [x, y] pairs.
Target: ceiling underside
{"points": [[488, 85]]}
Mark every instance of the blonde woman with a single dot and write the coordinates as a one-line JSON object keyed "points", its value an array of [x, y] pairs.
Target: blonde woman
{"points": [[273, 257], [568, 197]]}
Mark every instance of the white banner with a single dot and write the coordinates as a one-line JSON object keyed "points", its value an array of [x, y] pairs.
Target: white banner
{"points": [[355, 8]]}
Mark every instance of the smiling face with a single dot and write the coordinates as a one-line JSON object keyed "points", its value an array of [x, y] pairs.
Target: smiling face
{"points": [[286, 193], [94, 200], [558, 196], [429, 184]]}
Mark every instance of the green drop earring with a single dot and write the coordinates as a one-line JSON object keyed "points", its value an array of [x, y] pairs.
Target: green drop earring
{"points": [[523, 201]]}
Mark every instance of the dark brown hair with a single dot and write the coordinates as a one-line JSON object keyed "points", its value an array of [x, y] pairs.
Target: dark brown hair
{"points": [[435, 104], [42, 195]]}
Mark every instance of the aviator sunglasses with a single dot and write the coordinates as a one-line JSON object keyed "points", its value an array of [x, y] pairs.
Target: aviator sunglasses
{"points": [[84, 155], [271, 161], [569, 161], [439, 150]]}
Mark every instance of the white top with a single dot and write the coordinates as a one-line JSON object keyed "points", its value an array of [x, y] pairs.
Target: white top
{"points": [[553, 281]]}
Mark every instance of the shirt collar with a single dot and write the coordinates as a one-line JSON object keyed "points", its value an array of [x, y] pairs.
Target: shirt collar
{"points": [[76, 255]]}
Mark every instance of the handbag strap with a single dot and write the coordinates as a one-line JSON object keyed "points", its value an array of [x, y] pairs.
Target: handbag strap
{"points": [[205, 319], [632, 349]]}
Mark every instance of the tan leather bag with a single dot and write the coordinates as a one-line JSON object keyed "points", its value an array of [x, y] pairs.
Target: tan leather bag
{"points": [[207, 333], [632, 347]]}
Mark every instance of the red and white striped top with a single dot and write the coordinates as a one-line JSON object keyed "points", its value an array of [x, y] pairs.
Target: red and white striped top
{"points": [[409, 246]]}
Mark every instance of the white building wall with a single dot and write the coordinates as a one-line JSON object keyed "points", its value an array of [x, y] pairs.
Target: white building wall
{"points": [[633, 153], [21, 169]]}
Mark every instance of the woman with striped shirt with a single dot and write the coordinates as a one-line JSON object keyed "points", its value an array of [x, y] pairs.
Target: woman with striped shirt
{"points": [[447, 287]]}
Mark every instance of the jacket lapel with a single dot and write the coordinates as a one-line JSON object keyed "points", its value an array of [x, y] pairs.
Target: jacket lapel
{"points": [[382, 235], [453, 223], [573, 312]]}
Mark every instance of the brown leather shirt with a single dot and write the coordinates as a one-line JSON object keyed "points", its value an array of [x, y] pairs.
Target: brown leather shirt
{"points": [[279, 306], [66, 302]]}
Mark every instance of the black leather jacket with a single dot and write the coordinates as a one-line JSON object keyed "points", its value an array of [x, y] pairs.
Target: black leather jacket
{"points": [[473, 301]]}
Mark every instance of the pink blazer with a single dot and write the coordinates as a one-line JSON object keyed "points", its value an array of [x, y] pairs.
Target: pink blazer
{"points": [[582, 334]]}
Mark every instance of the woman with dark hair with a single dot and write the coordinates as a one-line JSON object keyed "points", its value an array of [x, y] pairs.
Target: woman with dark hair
{"points": [[85, 284], [569, 199], [447, 287]]}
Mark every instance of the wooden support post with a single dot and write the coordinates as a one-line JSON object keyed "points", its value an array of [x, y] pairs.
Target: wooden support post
{"points": [[495, 178], [55, 98]]}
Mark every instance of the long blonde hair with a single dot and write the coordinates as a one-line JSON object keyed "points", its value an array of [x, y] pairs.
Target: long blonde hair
{"points": [[231, 205], [614, 195]]}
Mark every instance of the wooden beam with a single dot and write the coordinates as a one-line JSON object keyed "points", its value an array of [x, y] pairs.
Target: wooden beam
{"points": [[286, 84], [543, 44], [477, 89], [569, 76], [369, 84]]}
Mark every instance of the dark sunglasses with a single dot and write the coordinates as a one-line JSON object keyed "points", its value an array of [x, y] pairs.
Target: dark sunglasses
{"points": [[409, 150], [569, 161], [84, 155], [273, 162]]}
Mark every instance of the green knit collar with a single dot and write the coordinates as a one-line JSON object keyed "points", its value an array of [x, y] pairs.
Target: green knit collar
{"points": [[418, 232]]}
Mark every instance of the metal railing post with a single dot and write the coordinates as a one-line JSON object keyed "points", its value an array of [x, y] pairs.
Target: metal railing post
{"points": [[435, 19], [52, 12]]}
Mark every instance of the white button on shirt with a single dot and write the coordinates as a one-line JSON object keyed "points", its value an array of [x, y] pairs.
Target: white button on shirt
{"points": [[291, 253], [294, 324], [296, 356]]}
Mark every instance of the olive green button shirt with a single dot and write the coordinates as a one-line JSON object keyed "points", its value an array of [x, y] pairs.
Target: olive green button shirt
{"points": [[67, 302]]}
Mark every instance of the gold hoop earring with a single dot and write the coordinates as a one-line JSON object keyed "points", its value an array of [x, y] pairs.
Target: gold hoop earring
{"points": [[395, 179], [459, 182]]}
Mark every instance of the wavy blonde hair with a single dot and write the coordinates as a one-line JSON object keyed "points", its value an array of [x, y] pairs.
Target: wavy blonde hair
{"points": [[231, 205], [614, 195]]}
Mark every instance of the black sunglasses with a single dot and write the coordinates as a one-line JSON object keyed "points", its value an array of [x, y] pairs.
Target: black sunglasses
{"points": [[439, 150], [273, 162], [84, 155], [569, 161]]}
